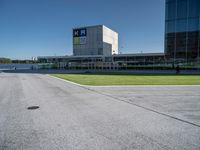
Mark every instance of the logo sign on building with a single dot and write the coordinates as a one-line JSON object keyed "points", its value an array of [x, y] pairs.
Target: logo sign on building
{"points": [[79, 36]]}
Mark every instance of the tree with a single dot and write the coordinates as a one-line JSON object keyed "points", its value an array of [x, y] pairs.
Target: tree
{"points": [[5, 60]]}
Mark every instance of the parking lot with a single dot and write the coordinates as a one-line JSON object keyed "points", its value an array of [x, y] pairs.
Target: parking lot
{"points": [[70, 116]]}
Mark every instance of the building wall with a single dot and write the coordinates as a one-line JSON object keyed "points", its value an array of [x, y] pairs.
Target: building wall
{"points": [[93, 42], [99, 40], [182, 29], [110, 37]]}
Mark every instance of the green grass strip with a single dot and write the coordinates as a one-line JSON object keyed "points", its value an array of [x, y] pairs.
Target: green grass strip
{"points": [[130, 79]]}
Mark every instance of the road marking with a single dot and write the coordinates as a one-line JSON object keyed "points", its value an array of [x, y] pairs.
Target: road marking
{"points": [[65, 80], [141, 86]]}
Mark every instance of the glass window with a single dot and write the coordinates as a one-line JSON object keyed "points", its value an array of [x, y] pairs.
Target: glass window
{"points": [[181, 42], [181, 26], [193, 8], [199, 25], [198, 4], [192, 41], [170, 1], [170, 44], [181, 9], [170, 26], [193, 24], [170, 10]]}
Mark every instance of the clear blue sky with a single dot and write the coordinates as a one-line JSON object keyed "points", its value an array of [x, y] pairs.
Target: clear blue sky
{"points": [[44, 27]]}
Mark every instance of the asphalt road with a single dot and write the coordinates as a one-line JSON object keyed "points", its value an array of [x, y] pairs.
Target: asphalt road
{"points": [[81, 117]]}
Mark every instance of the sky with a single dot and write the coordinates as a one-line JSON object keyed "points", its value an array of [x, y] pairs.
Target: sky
{"points": [[31, 28]]}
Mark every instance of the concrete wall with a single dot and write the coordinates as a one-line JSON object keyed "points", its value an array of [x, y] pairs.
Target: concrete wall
{"points": [[93, 42], [110, 37], [100, 40]]}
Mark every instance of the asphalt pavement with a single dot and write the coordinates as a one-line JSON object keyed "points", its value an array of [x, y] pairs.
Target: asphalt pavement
{"points": [[73, 117]]}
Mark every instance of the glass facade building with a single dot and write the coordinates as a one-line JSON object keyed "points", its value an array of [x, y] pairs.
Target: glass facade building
{"points": [[182, 30]]}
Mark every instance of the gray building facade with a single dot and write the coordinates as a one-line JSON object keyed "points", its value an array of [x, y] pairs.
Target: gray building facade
{"points": [[95, 40]]}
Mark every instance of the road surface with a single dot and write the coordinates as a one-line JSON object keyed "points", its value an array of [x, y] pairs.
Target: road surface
{"points": [[72, 117]]}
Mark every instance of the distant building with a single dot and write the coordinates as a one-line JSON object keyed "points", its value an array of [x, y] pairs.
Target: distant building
{"points": [[182, 32], [95, 40], [94, 46]]}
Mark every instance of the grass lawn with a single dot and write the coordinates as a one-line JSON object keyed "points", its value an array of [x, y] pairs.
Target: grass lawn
{"points": [[130, 79]]}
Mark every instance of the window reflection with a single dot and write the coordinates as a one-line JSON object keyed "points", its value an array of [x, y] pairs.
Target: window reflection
{"points": [[182, 38]]}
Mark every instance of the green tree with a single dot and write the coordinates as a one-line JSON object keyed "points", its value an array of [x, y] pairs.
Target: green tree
{"points": [[5, 60]]}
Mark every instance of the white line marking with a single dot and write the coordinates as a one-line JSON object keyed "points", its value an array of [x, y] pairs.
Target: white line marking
{"points": [[113, 86], [65, 80]]}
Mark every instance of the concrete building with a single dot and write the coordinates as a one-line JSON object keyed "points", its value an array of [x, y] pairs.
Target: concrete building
{"points": [[182, 30], [95, 40]]}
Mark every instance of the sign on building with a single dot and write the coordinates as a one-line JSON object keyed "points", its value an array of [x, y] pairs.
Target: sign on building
{"points": [[79, 36]]}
